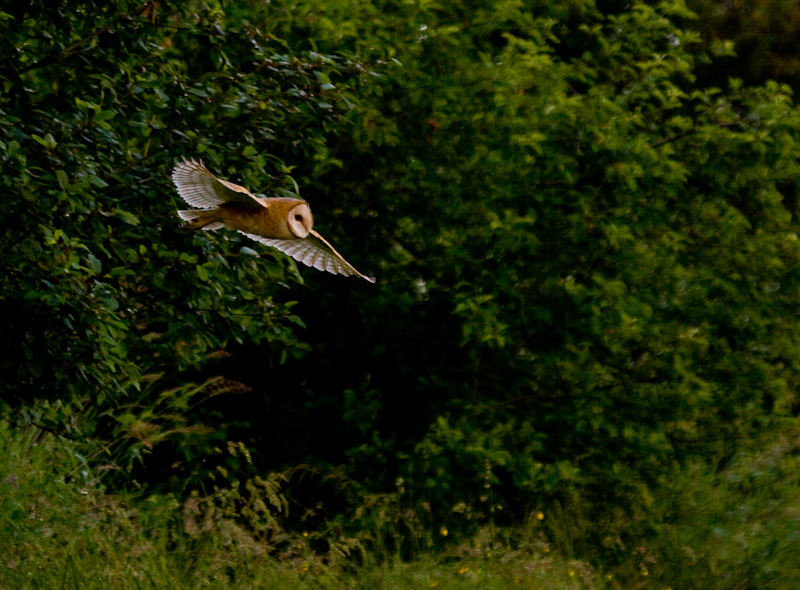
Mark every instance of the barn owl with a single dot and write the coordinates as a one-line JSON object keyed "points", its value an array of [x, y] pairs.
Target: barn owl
{"points": [[283, 223]]}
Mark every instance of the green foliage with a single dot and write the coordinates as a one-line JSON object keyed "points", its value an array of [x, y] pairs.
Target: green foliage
{"points": [[594, 261], [102, 292], [735, 523], [59, 529], [587, 264]]}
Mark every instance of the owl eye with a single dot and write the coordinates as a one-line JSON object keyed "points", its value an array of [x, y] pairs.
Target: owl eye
{"points": [[298, 217]]}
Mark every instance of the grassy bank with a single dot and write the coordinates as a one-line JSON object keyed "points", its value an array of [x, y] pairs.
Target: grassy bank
{"points": [[61, 530]]}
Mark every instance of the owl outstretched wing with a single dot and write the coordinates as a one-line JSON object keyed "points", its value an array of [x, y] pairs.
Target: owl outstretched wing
{"points": [[314, 251], [198, 187]]}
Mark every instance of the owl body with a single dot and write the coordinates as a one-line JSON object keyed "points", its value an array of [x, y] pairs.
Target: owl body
{"points": [[268, 221], [273, 220], [280, 222]]}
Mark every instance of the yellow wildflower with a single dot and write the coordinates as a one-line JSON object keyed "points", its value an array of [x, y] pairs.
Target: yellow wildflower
{"points": [[443, 531]]}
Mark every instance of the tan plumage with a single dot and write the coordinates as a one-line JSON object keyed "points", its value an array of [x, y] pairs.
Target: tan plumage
{"points": [[283, 223]]}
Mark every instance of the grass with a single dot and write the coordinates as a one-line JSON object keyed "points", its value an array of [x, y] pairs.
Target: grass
{"points": [[61, 530]]}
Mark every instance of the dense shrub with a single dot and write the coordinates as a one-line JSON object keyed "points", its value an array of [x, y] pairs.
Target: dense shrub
{"points": [[106, 305], [593, 264], [587, 259]]}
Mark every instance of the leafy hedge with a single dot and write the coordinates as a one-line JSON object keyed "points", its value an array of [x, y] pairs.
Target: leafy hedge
{"points": [[587, 260], [103, 294]]}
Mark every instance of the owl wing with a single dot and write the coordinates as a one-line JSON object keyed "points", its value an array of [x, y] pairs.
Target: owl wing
{"points": [[315, 251], [198, 187]]}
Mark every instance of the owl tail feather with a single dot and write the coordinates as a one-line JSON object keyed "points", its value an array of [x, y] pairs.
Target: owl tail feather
{"points": [[195, 219]]}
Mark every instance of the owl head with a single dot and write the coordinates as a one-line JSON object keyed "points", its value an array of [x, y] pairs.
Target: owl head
{"points": [[300, 220]]}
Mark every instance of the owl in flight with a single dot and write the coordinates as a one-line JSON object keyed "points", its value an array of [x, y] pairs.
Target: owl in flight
{"points": [[280, 222]]}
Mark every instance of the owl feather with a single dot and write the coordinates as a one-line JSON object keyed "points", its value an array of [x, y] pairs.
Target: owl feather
{"points": [[282, 223]]}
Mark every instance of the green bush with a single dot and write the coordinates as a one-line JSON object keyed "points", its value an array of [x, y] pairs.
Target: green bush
{"points": [[593, 263], [587, 262], [108, 308], [60, 528]]}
